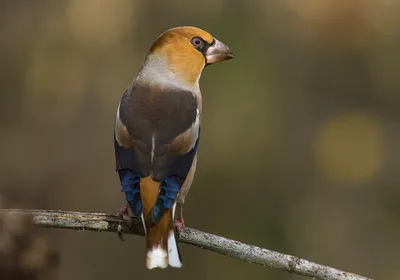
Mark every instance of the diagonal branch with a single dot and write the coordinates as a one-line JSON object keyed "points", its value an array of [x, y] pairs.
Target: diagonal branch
{"points": [[211, 242]]}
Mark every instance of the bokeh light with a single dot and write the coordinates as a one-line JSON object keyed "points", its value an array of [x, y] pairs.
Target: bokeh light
{"points": [[350, 147], [299, 149], [100, 21]]}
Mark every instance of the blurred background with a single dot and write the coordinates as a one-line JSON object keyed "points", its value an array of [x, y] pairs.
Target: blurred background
{"points": [[300, 141]]}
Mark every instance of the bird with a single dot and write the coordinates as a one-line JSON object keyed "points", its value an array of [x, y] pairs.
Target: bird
{"points": [[157, 133]]}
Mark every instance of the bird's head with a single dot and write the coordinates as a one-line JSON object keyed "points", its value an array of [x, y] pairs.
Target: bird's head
{"points": [[186, 51]]}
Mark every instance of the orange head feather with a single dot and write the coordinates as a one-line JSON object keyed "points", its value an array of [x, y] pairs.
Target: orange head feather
{"points": [[187, 50]]}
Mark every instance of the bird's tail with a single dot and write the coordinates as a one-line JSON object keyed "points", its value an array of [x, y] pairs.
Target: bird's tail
{"points": [[161, 245]]}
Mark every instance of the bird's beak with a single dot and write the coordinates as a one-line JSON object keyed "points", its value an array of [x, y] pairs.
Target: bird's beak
{"points": [[218, 52]]}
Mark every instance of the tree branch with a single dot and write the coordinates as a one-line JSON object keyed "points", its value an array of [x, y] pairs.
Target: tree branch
{"points": [[211, 242]]}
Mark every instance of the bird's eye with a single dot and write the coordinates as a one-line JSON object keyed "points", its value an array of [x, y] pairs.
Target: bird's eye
{"points": [[197, 42]]}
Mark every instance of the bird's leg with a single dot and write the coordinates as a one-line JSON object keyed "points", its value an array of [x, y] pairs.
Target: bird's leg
{"points": [[179, 222], [124, 213]]}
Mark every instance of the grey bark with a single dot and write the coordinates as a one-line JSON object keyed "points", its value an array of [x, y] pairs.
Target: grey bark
{"points": [[248, 253]]}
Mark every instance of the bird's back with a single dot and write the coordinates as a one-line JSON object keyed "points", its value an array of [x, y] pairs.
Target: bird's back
{"points": [[154, 117]]}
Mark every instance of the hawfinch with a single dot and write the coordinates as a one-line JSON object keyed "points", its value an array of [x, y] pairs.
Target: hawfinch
{"points": [[157, 132]]}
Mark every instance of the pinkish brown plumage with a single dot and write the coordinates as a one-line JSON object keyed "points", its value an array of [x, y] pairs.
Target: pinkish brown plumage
{"points": [[157, 133]]}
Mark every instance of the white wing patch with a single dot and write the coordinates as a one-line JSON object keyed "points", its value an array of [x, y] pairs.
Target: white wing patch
{"points": [[194, 130], [143, 223], [153, 146], [195, 127]]}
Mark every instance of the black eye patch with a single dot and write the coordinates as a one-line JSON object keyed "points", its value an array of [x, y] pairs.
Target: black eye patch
{"points": [[200, 44]]}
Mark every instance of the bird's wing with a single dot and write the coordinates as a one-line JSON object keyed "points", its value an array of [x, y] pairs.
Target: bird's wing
{"points": [[156, 136]]}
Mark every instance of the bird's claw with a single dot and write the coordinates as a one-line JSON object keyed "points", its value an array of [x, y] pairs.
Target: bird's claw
{"points": [[124, 213], [179, 224]]}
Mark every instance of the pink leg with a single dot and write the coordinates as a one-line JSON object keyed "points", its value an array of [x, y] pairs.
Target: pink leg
{"points": [[124, 213], [179, 222]]}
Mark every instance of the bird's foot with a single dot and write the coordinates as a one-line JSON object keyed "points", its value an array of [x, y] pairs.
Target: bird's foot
{"points": [[124, 213], [179, 224]]}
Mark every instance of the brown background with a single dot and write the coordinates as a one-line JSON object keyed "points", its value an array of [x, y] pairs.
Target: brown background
{"points": [[300, 140]]}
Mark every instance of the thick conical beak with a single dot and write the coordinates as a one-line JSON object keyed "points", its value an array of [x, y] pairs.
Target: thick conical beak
{"points": [[218, 52]]}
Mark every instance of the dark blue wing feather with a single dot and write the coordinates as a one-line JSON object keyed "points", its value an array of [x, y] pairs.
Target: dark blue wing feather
{"points": [[171, 185]]}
